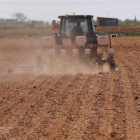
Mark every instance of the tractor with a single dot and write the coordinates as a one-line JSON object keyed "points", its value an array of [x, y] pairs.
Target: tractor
{"points": [[74, 47]]}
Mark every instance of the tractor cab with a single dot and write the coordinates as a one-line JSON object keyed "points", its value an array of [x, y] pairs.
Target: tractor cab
{"points": [[72, 26]]}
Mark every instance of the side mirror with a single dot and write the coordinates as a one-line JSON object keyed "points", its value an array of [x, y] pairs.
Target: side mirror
{"points": [[53, 22]]}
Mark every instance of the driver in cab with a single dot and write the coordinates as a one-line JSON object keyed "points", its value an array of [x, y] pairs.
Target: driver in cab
{"points": [[77, 31]]}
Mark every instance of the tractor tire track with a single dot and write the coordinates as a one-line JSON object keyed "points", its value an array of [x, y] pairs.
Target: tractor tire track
{"points": [[119, 119], [130, 109], [105, 130], [92, 130], [75, 101], [86, 110]]}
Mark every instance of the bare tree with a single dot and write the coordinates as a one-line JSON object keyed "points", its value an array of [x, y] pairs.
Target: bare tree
{"points": [[20, 17]]}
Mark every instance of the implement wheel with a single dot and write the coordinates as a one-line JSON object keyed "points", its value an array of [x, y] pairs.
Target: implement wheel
{"points": [[111, 63], [99, 62], [112, 66]]}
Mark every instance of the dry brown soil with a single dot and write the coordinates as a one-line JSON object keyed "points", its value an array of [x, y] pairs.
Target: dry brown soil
{"points": [[103, 106]]}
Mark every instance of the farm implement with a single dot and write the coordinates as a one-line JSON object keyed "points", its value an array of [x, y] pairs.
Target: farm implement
{"points": [[76, 47]]}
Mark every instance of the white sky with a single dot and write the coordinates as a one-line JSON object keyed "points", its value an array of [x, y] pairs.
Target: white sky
{"points": [[48, 10]]}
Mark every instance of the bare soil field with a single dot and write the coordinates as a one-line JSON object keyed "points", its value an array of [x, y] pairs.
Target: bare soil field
{"points": [[27, 32], [118, 29], [49, 31], [103, 106]]}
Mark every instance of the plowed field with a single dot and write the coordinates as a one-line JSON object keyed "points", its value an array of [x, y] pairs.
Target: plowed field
{"points": [[49, 31], [103, 106]]}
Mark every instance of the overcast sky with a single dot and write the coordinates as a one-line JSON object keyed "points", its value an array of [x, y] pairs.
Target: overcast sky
{"points": [[48, 10]]}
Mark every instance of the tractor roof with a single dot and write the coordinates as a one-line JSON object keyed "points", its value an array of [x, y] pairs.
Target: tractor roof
{"points": [[76, 16]]}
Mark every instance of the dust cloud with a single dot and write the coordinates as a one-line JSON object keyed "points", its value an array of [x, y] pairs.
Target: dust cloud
{"points": [[60, 67]]}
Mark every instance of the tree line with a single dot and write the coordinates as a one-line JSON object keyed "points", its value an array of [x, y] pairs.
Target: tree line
{"points": [[19, 20], [129, 22]]}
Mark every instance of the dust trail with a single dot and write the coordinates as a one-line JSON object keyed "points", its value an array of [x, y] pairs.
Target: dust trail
{"points": [[62, 68]]}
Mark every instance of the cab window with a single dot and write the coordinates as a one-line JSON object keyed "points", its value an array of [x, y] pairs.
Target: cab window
{"points": [[68, 25]]}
